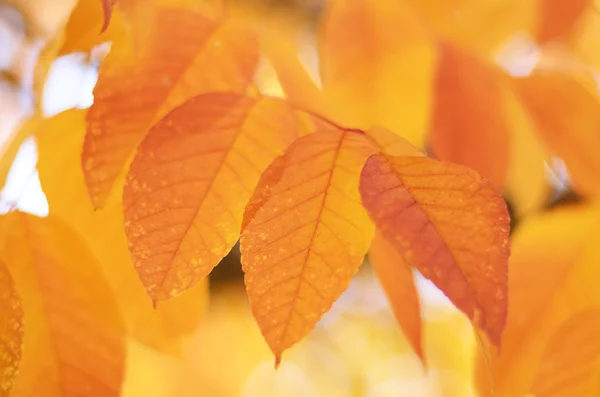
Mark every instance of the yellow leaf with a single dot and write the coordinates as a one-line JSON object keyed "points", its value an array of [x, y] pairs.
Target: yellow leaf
{"points": [[299, 88], [484, 26], [480, 26], [583, 42], [552, 268], [11, 331], [80, 33], [379, 71], [191, 178], [138, 86], [526, 186], [571, 359], [75, 341], [567, 117], [450, 348], [307, 236], [86, 27], [59, 146], [450, 224], [398, 283]]}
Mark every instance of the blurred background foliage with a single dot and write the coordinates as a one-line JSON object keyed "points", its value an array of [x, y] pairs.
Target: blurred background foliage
{"points": [[358, 348]]}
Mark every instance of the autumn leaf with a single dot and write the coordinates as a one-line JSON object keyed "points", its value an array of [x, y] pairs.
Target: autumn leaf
{"points": [[558, 17], [551, 277], [482, 27], [527, 187], [450, 347], [462, 109], [468, 124], [450, 224], [136, 88], [387, 84], [567, 116], [74, 342], [80, 33], [187, 186], [299, 88], [397, 280], [308, 235], [59, 141], [571, 359], [11, 331], [88, 26], [581, 44]]}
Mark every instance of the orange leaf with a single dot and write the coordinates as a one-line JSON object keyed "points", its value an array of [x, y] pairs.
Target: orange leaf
{"points": [[11, 331], [74, 343], [450, 224], [397, 280], [59, 141], [582, 43], [571, 359], [468, 123], [379, 72], [567, 115], [479, 26], [307, 236], [88, 27], [188, 185], [137, 87], [553, 266], [558, 17]]}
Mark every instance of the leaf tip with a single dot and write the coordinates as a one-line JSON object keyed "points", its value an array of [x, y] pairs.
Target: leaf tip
{"points": [[423, 358], [107, 6], [277, 361]]}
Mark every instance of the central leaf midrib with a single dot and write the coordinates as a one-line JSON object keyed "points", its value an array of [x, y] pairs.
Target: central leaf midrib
{"points": [[208, 190], [312, 237]]}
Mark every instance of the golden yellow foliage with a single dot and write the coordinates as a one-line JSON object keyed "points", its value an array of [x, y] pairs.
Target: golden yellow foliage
{"points": [[417, 134]]}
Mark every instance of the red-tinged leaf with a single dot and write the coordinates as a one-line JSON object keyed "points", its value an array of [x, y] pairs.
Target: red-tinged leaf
{"points": [[137, 87], [191, 178], [107, 6], [11, 331], [74, 343], [397, 281], [558, 17], [468, 125], [567, 115], [450, 224], [571, 359], [307, 236]]}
